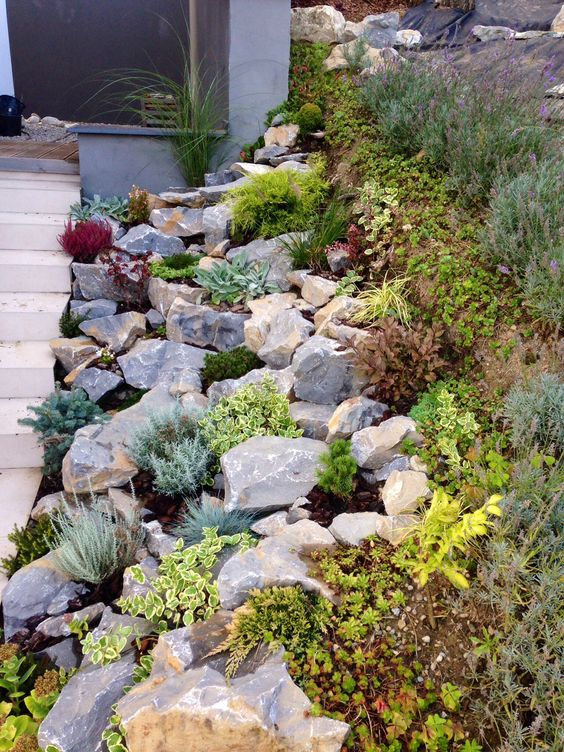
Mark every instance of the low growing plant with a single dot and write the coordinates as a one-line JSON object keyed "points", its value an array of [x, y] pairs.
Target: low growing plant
{"points": [[377, 303], [56, 421], [210, 513], [114, 207], [254, 410], [31, 542], [339, 470], [376, 207], [138, 210], [179, 266], [535, 411], [232, 364], [107, 648], [235, 282], [130, 275], [69, 324], [86, 240], [310, 118]]}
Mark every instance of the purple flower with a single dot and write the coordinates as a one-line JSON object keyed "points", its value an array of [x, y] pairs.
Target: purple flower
{"points": [[533, 158], [554, 266], [544, 112], [503, 269]]}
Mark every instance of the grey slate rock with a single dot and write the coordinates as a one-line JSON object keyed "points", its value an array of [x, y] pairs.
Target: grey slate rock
{"points": [[203, 326], [144, 238], [218, 178], [118, 332], [94, 282], [93, 309], [284, 380], [179, 221], [58, 626], [162, 294], [216, 224], [313, 419], [272, 251], [267, 153], [152, 362], [378, 476], [380, 30], [212, 194], [66, 654], [154, 318]]}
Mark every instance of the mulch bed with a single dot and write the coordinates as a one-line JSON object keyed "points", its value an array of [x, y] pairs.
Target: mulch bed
{"points": [[356, 10], [325, 507]]}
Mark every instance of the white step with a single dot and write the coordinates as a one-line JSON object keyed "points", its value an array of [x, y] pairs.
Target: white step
{"points": [[35, 271], [30, 232], [46, 199], [26, 370], [28, 316], [34, 179], [18, 489], [18, 444]]}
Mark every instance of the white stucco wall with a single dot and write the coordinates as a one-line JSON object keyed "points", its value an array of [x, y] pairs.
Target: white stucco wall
{"points": [[6, 81]]}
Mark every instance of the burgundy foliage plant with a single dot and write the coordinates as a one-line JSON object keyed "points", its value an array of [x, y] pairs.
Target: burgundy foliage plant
{"points": [[86, 239]]}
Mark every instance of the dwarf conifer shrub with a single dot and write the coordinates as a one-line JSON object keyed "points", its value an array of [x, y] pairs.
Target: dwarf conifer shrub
{"points": [[535, 411], [254, 410], [310, 118], [69, 324], [85, 240], [339, 470], [57, 420], [210, 513], [93, 543], [229, 365], [31, 542]]}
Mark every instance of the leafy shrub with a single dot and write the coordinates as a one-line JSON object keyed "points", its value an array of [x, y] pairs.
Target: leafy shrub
{"points": [[138, 210], [339, 471], [278, 202], [57, 420], [354, 246], [236, 281], [184, 591], [170, 446], [376, 207], [108, 647], [93, 543], [31, 542], [130, 275], [254, 410], [207, 514], [114, 206], [69, 324], [388, 299], [535, 411], [391, 346], [179, 266], [310, 118], [229, 365], [85, 240], [278, 617], [308, 250]]}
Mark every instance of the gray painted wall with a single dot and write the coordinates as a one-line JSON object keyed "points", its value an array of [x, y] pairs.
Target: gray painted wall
{"points": [[6, 83]]}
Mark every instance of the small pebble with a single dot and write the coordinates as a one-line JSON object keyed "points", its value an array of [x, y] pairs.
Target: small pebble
{"points": [[426, 639]]}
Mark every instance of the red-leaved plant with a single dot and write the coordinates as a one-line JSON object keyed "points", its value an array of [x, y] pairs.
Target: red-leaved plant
{"points": [[85, 240]]}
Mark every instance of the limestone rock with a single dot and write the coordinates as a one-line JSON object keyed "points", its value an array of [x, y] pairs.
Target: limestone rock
{"points": [[284, 380], [192, 199], [180, 222], [216, 225], [558, 23], [293, 165], [94, 282], [373, 58], [282, 135], [268, 153], [73, 351], [492, 33], [125, 504], [162, 294], [117, 332], [158, 542], [152, 362], [48, 504], [322, 23], [326, 373], [375, 446], [297, 277], [339, 309], [93, 309], [97, 382], [271, 525], [293, 157], [144, 239], [288, 330], [212, 194], [404, 490], [186, 380], [380, 30], [58, 626], [338, 259], [194, 401], [312, 419], [66, 654], [204, 326], [352, 415], [317, 290], [305, 536], [270, 472], [352, 529], [154, 318], [409, 38], [35, 590], [373, 477], [263, 312], [272, 251], [250, 168]]}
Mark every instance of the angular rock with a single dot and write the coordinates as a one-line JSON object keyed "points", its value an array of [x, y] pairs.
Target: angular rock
{"points": [[192, 199], [162, 294], [216, 225], [492, 33], [312, 419], [73, 351], [352, 415], [293, 165], [93, 309], [409, 38], [298, 511], [97, 382], [152, 362], [352, 529], [48, 504], [263, 312], [338, 260], [380, 30], [94, 282], [159, 543], [558, 24], [117, 332], [222, 177], [66, 654], [154, 318], [271, 525], [272, 251], [317, 290], [131, 587], [373, 447], [194, 401], [267, 153], [272, 563], [326, 373], [297, 277], [38, 589], [98, 458], [270, 472], [288, 330], [322, 23], [293, 157], [212, 194], [282, 135], [186, 380], [404, 490], [250, 168], [125, 504], [80, 715], [372, 477], [58, 626], [144, 238], [339, 309], [305, 536], [283, 379], [180, 222], [204, 326]]}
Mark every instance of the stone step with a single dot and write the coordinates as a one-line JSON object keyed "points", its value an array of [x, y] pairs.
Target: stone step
{"points": [[35, 271], [18, 489], [46, 199], [30, 232], [39, 179], [26, 369], [28, 316], [18, 444]]}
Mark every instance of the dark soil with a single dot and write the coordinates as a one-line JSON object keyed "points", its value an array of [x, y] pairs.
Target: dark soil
{"points": [[356, 10], [163, 508], [325, 507]]}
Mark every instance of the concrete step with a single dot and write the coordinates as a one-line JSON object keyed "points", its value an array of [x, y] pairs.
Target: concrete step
{"points": [[35, 271], [26, 370], [18, 489], [18, 444], [28, 316], [47, 199], [35, 179], [30, 232]]}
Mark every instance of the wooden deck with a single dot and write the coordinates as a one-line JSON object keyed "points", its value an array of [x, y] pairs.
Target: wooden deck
{"points": [[67, 152]]}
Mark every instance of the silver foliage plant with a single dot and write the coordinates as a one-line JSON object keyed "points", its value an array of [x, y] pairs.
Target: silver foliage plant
{"points": [[209, 513], [94, 542], [535, 410]]}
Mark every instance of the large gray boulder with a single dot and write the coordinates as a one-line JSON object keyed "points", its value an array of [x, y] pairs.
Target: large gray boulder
{"points": [[73, 351], [272, 251], [284, 380], [82, 712], [93, 309], [158, 361], [144, 239], [352, 415], [38, 589], [264, 311], [375, 446], [216, 224], [312, 419], [352, 529], [118, 332], [179, 221], [162, 294], [204, 326], [322, 23], [326, 372], [288, 330], [97, 383], [270, 472]]}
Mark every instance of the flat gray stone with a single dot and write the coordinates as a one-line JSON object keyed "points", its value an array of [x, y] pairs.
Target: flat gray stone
{"points": [[267, 153], [404, 491], [212, 194], [204, 326], [284, 380], [93, 282], [313, 419], [193, 199], [352, 529], [180, 221], [118, 332], [58, 626], [162, 294], [375, 446], [72, 352], [152, 362], [93, 309], [372, 477], [144, 239]]}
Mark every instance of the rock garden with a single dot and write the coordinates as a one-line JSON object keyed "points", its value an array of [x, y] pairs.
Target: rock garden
{"points": [[303, 469]]}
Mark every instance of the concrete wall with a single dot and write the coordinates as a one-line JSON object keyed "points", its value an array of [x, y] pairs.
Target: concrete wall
{"points": [[6, 82]]}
